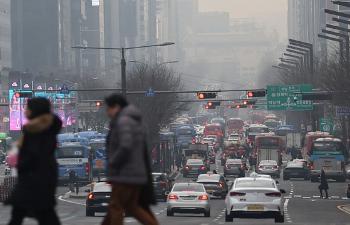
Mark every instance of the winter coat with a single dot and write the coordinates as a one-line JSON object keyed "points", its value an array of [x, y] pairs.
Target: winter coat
{"points": [[37, 167], [324, 182], [127, 152]]}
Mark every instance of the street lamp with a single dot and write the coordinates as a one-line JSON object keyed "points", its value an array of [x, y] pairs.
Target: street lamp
{"points": [[123, 61]]}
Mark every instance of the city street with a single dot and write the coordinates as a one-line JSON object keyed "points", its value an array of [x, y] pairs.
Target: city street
{"points": [[302, 206]]}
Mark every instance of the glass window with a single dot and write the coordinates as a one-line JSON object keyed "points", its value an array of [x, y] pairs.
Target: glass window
{"points": [[255, 184], [188, 187]]}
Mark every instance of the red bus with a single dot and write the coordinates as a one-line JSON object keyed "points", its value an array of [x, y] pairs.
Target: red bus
{"points": [[310, 137], [234, 125], [214, 129]]}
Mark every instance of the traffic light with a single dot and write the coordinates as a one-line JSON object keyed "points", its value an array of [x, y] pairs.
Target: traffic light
{"points": [[212, 105], [206, 95], [240, 106], [256, 94], [24, 94], [249, 102]]}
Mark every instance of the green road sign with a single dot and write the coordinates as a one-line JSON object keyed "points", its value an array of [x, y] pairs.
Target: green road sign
{"points": [[283, 97], [326, 125]]}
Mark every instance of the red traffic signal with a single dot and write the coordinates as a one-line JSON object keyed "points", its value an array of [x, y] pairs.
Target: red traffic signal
{"points": [[206, 95], [24, 94], [256, 94], [212, 105]]}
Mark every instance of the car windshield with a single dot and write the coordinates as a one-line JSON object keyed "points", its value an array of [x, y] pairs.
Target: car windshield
{"points": [[188, 187], [194, 163], [258, 130], [255, 183], [329, 146], [70, 152]]}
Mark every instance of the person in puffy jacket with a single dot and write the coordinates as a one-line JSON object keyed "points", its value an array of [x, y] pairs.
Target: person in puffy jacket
{"points": [[129, 166], [34, 194]]}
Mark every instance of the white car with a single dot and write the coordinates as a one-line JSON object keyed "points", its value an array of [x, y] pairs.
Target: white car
{"points": [[254, 196], [188, 198]]}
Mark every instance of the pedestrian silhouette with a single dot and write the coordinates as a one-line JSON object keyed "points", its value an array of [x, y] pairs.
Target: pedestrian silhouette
{"points": [[324, 184], [129, 168], [34, 194]]}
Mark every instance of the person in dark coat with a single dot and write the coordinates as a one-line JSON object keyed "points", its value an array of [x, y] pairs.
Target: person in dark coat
{"points": [[34, 194], [324, 184], [129, 167]]}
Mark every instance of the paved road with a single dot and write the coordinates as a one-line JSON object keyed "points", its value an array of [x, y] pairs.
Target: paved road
{"points": [[303, 207]]}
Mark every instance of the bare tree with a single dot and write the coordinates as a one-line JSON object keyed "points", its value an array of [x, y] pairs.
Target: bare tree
{"points": [[157, 110]]}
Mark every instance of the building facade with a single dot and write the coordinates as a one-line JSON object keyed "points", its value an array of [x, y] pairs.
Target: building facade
{"points": [[306, 19], [5, 34]]}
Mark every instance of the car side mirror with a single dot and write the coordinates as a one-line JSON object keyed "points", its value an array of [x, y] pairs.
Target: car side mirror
{"points": [[167, 193], [277, 182], [282, 191], [87, 190]]}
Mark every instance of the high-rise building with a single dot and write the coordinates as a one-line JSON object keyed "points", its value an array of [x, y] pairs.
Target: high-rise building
{"points": [[5, 34], [35, 33], [306, 20]]}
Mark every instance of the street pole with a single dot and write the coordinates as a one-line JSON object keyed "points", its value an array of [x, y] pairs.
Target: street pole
{"points": [[123, 71]]}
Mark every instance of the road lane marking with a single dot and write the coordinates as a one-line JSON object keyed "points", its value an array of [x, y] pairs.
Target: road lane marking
{"points": [[306, 197], [343, 208], [285, 210], [297, 196], [68, 201]]}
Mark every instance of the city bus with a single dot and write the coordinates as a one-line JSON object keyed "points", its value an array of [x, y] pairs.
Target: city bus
{"points": [[73, 157]]}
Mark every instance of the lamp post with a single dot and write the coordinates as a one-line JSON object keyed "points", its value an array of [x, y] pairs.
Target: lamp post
{"points": [[122, 60]]}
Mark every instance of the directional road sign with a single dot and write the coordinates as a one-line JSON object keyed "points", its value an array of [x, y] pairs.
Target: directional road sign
{"points": [[288, 97], [326, 125]]}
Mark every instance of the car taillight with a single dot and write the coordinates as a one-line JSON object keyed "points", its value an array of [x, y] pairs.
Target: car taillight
{"points": [[221, 185], [91, 196], [203, 197], [233, 193], [202, 168], [187, 168], [273, 194], [173, 197], [275, 167], [193, 140], [162, 184]]}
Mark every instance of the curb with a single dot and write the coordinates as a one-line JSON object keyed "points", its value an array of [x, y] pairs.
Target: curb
{"points": [[344, 208]]}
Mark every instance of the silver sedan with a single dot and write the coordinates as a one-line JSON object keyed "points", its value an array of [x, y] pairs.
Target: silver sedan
{"points": [[188, 198]]}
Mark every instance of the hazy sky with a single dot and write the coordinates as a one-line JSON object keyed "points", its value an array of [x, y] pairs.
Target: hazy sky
{"points": [[272, 14]]}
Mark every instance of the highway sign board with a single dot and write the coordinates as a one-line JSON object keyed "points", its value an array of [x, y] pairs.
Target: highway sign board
{"points": [[284, 97], [326, 125], [342, 111]]}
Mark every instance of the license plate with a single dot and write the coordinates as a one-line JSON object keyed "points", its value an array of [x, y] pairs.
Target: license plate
{"points": [[255, 208]]}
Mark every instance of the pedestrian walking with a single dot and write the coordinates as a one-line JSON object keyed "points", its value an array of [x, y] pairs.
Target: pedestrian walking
{"points": [[129, 169], [324, 184], [34, 194]]}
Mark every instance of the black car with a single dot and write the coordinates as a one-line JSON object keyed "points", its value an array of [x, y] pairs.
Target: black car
{"points": [[296, 170], [98, 199], [214, 184], [162, 185], [194, 167]]}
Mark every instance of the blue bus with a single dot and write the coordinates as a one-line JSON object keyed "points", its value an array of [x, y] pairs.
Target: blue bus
{"points": [[185, 135], [98, 156], [73, 157]]}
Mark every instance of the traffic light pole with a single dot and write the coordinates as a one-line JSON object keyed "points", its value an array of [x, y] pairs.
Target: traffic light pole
{"points": [[123, 71]]}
